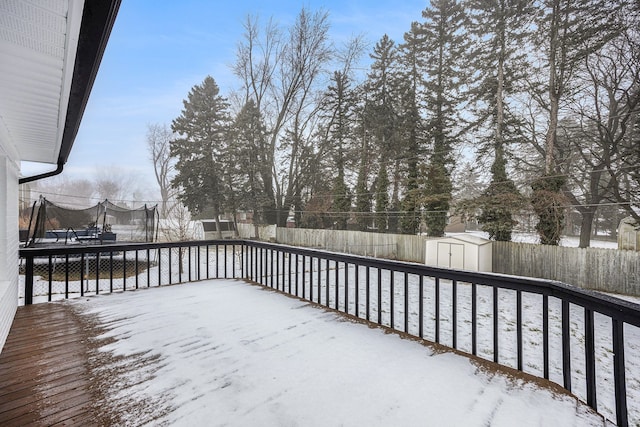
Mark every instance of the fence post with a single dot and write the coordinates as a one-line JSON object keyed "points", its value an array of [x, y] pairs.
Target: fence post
{"points": [[28, 281]]}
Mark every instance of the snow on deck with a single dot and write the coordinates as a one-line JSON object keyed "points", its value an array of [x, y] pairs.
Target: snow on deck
{"points": [[227, 353]]}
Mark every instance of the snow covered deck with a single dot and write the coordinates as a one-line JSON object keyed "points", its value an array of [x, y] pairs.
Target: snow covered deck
{"points": [[224, 352]]}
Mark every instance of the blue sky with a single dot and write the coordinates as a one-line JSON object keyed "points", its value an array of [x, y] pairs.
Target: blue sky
{"points": [[158, 50]]}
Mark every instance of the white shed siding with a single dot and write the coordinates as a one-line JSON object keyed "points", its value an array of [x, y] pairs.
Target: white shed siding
{"points": [[8, 243], [460, 252]]}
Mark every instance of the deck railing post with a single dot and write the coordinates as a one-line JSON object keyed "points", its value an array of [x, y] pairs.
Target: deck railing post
{"points": [[28, 281]]}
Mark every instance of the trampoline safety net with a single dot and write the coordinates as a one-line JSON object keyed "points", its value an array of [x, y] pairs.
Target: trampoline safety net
{"points": [[103, 223]]}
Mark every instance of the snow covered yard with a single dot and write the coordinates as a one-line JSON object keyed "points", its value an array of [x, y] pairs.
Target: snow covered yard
{"points": [[223, 352]]}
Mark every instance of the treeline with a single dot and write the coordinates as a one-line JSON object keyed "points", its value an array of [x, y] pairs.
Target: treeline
{"points": [[486, 108]]}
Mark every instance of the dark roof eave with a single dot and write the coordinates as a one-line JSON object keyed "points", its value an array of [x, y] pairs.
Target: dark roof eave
{"points": [[98, 18]]}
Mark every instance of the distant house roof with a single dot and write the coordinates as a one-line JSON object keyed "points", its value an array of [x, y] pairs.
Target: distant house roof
{"points": [[50, 52]]}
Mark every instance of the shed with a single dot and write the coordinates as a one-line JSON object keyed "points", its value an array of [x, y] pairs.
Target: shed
{"points": [[629, 234], [461, 252], [227, 229]]}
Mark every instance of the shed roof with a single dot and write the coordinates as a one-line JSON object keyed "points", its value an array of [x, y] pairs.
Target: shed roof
{"points": [[469, 238]]}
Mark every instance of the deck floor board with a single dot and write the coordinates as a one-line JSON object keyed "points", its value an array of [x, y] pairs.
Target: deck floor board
{"points": [[44, 374]]}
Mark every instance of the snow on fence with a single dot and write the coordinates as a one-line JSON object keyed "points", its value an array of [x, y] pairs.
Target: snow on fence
{"points": [[606, 270]]}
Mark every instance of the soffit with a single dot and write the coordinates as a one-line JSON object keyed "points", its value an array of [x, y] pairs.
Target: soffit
{"points": [[38, 42]]}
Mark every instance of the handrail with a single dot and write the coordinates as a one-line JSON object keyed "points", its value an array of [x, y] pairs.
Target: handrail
{"points": [[331, 279]]}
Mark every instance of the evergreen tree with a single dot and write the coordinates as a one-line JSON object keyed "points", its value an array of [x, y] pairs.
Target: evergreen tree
{"points": [[498, 202], [446, 43], [381, 122], [249, 138], [411, 126], [382, 199], [339, 109], [202, 129], [500, 30]]}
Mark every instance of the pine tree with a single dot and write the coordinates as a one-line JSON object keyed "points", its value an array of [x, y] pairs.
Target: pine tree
{"points": [[411, 126], [381, 123], [446, 43], [500, 30], [248, 138], [339, 109], [382, 199], [202, 129]]}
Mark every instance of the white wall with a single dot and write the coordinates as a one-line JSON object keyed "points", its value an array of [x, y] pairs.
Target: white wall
{"points": [[8, 243]]}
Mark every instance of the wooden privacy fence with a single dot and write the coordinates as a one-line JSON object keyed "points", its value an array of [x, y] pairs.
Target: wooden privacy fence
{"points": [[391, 246], [607, 270]]}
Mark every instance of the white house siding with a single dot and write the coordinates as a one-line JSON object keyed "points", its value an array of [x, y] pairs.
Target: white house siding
{"points": [[8, 243]]}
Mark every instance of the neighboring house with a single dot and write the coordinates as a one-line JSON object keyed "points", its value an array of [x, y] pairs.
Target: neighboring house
{"points": [[50, 52]]}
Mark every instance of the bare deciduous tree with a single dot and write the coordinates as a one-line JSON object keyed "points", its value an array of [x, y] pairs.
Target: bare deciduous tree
{"points": [[280, 72], [159, 137]]}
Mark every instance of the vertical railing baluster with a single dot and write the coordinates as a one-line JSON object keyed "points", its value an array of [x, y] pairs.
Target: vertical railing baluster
{"points": [[271, 264], [437, 314], [566, 346], [619, 374], [590, 359], [289, 274], [218, 263], [170, 261], [496, 319], [454, 313], [337, 285], [421, 306], [545, 335], [319, 280], [392, 283], [148, 267], [367, 295], [276, 274], [233, 261], [124, 271], [519, 329], [189, 263], [206, 257], [474, 320], [66, 276], [98, 273], [82, 274], [379, 296], [111, 271], [50, 278], [243, 260], [346, 287], [136, 261], [296, 274], [406, 302], [263, 267], [357, 289], [28, 284], [326, 283], [226, 275], [198, 261], [180, 264], [311, 278]]}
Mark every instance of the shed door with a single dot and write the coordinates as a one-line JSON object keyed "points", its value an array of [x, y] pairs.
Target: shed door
{"points": [[451, 255]]}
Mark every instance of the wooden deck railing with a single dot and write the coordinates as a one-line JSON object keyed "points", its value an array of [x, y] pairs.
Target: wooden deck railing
{"points": [[570, 336]]}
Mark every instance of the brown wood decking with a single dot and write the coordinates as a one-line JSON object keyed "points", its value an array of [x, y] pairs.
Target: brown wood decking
{"points": [[44, 377]]}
